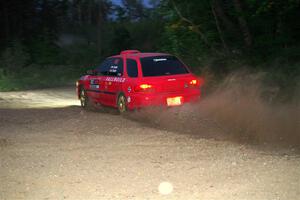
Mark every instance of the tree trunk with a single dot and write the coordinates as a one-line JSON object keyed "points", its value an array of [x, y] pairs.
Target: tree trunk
{"points": [[6, 20], [79, 12], [243, 23], [219, 10], [89, 12], [99, 27], [221, 35]]}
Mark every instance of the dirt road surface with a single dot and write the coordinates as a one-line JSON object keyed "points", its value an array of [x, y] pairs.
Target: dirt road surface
{"points": [[51, 149]]}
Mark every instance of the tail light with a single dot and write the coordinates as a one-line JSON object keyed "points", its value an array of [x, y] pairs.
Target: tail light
{"points": [[144, 88], [195, 83]]}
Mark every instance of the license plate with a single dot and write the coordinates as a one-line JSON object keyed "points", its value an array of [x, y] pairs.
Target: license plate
{"points": [[94, 86], [174, 101]]}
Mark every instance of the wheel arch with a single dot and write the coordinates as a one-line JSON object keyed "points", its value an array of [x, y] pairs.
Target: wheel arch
{"points": [[79, 88], [118, 95]]}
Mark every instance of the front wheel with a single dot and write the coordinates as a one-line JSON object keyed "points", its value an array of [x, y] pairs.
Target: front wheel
{"points": [[122, 104], [84, 100]]}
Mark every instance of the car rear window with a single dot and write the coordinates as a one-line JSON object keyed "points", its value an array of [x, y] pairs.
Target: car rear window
{"points": [[162, 66]]}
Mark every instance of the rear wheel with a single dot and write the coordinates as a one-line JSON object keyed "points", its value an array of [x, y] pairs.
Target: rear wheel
{"points": [[122, 104]]}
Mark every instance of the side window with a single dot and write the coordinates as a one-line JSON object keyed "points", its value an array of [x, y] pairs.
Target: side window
{"points": [[111, 67], [116, 67], [132, 68], [104, 67]]}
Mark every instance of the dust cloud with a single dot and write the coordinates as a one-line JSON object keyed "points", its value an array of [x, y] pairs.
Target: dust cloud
{"points": [[240, 108]]}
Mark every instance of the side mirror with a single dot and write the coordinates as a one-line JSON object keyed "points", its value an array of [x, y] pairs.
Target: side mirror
{"points": [[91, 72]]}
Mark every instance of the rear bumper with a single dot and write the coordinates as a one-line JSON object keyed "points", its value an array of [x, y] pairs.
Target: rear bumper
{"points": [[146, 100]]}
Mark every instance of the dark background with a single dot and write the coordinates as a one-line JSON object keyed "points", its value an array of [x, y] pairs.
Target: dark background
{"points": [[52, 42]]}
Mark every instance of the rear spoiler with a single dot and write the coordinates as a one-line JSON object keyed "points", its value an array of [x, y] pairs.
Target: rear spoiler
{"points": [[129, 52]]}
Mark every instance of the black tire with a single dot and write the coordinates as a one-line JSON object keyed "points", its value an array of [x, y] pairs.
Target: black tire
{"points": [[122, 104], [84, 100]]}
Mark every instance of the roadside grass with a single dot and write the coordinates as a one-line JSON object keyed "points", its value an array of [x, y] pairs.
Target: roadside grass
{"points": [[33, 77]]}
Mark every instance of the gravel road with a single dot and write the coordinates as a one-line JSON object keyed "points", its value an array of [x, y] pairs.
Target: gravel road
{"points": [[51, 149]]}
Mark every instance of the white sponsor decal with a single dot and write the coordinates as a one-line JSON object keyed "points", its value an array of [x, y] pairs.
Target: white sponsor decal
{"points": [[115, 79], [159, 59], [114, 67]]}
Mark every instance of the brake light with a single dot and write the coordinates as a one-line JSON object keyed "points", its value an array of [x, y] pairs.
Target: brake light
{"points": [[144, 88], [194, 82]]}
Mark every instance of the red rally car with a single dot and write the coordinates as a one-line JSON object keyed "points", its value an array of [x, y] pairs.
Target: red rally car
{"points": [[134, 80]]}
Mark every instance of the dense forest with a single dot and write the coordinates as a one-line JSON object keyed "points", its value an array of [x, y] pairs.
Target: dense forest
{"points": [[51, 42]]}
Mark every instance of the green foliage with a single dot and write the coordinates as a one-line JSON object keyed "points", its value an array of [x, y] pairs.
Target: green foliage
{"points": [[14, 57], [34, 77], [145, 34], [43, 51], [78, 55], [184, 44], [36, 66], [213, 37], [121, 39]]}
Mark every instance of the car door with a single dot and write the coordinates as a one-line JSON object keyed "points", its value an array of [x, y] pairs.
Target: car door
{"points": [[131, 80], [114, 80], [97, 82]]}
